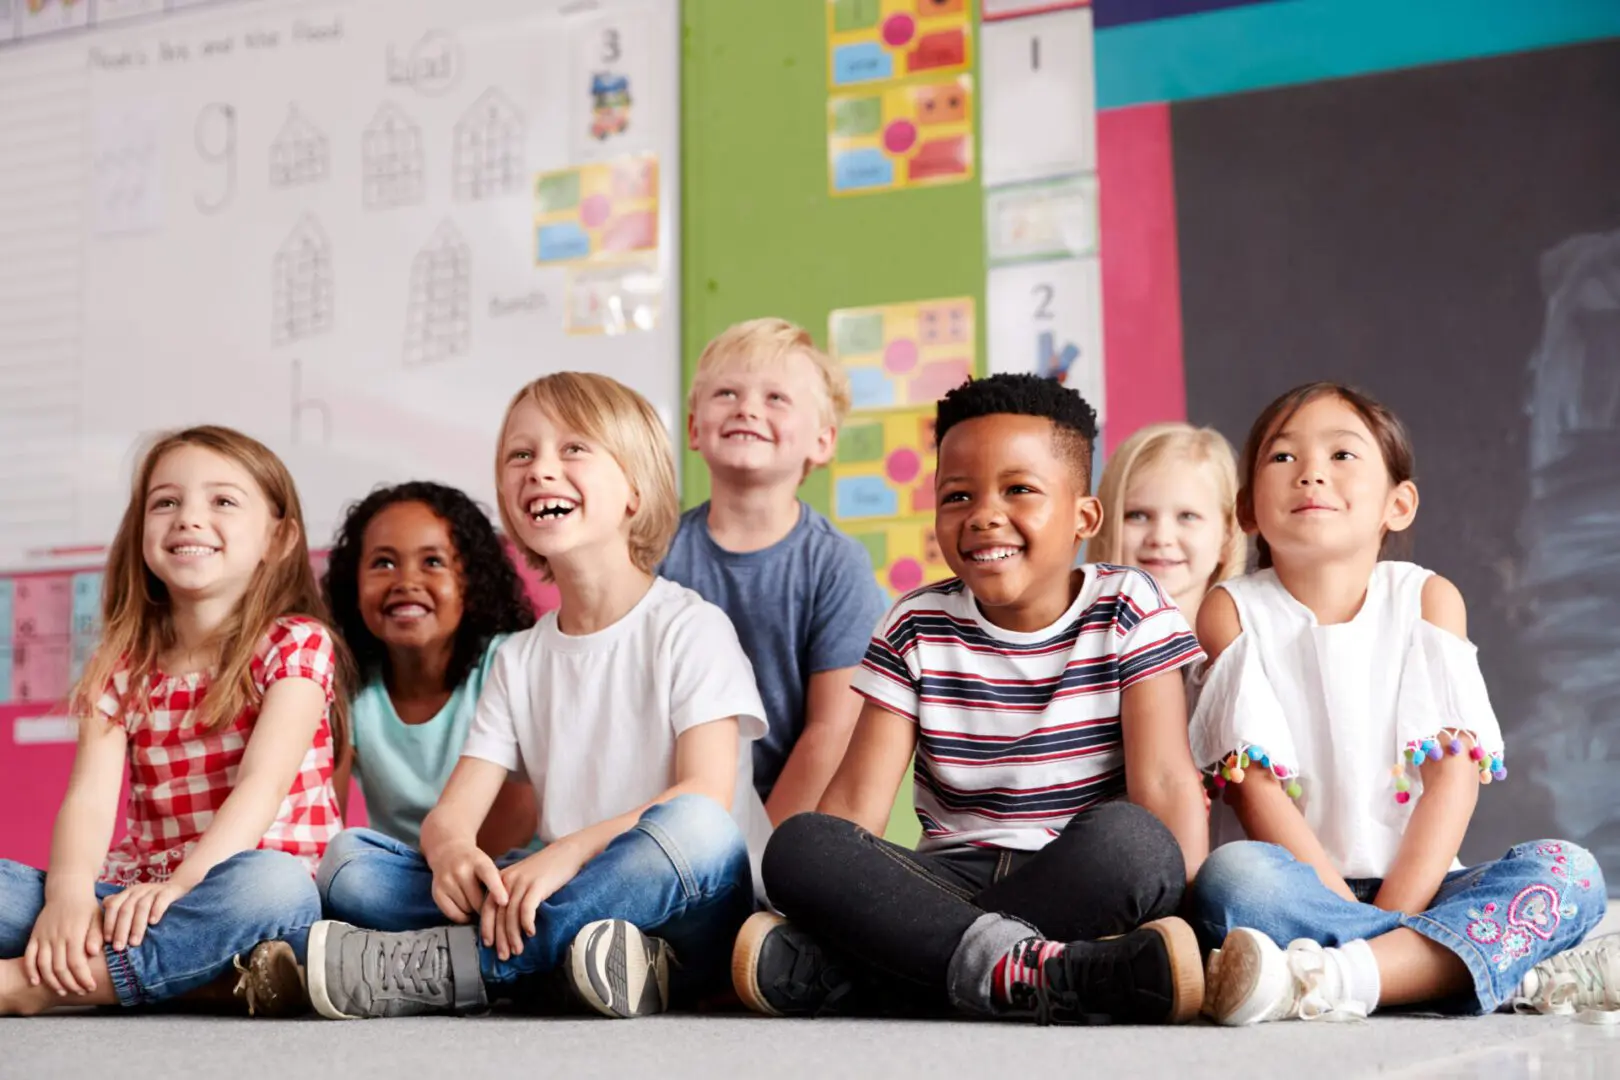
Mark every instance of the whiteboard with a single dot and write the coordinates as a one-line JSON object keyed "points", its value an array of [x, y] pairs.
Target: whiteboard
{"points": [[315, 222]]}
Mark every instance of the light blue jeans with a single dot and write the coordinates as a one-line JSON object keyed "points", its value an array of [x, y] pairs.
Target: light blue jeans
{"points": [[680, 874], [1501, 918], [251, 897]]}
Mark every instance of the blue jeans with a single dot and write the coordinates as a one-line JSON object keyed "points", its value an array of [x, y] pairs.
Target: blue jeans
{"points": [[1501, 918], [680, 874], [251, 897]]}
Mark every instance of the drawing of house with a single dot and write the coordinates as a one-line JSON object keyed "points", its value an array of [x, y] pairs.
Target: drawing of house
{"points": [[299, 154], [302, 284], [489, 148], [391, 160], [438, 315]]}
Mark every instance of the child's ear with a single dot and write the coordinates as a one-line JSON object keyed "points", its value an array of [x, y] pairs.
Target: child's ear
{"points": [[691, 431], [1088, 511], [283, 540], [826, 444], [1403, 506]]}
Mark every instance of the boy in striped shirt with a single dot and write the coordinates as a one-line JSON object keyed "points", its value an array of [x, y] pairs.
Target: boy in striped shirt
{"points": [[1041, 705]]}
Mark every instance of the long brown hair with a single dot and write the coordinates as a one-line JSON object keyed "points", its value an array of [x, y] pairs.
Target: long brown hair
{"points": [[138, 617], [1387, 431]]}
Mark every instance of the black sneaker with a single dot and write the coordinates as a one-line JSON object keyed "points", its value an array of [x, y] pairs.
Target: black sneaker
{"points": [[780, 970], [1153, 975], [356, 973]]}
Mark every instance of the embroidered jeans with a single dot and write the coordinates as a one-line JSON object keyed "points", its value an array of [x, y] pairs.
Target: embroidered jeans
{"points": [[1501, 918], [251, 897], [681, 874]]}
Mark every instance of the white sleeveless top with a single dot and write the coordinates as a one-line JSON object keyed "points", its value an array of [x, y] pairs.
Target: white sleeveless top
{"points": [[1344, 708]]}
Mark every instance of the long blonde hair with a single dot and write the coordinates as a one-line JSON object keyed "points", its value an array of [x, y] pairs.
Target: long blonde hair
{"points": [[625, 423], [1158, 443], [138, 617]]}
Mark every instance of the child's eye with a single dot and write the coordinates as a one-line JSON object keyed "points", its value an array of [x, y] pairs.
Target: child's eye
{"points": [[162, 503], [725, 392], [1189, 516], [224, 500], [576, 448], [1136, 515], [782, 398], [382, 562], [954, 496], [1343, 455], [1281, 457], [520, 455], [1020, 489], [433, 560]]}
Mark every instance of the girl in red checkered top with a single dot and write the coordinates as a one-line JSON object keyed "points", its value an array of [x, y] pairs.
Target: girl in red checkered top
{"points": [[218, 680]]}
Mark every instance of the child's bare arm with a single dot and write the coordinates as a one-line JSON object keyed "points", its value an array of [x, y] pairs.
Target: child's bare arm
{"points": [[831, 710], [867, 780], [342, 778], [1263, 808], [1159, 772], [1434, 834], [511, 821]]}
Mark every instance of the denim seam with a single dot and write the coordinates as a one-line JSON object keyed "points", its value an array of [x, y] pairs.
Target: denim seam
{"points": [[1466, 951], [126, 984], [677, 858], [924, 874]]}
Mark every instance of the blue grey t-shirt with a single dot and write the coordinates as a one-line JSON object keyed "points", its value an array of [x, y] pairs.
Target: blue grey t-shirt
{"points": [[808, 603]]}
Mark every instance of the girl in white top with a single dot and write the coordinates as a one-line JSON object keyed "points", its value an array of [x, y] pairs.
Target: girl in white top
{"points": [[628, 709], [1346, 721]]}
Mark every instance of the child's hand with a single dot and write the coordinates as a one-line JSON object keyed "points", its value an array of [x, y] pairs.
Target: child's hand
{"points": [[460, 877], [66, 934], [127, 914], [528, 883]]}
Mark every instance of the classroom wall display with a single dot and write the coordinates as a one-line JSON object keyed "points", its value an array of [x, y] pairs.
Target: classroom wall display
{"points": [[877, 40], [320, 223], [904, 136]]}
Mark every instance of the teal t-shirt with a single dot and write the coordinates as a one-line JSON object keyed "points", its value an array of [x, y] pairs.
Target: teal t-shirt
{"points": [[402, 768]]}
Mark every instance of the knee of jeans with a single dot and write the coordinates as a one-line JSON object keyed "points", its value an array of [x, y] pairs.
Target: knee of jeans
{"points": [[1237, 878], [798, 853], [1133, 837], [272, 888], [703, 831], [22, 896], [345, 888]]}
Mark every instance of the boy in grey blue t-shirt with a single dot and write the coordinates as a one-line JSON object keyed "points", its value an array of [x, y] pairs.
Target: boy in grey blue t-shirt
{"points": [[764, 410]]}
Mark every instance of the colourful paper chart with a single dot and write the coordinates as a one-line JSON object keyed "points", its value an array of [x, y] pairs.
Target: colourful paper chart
{"points": [[608, 208], [901, 136], [904, 355], [875, 40], [904, 553], [884, 467]]}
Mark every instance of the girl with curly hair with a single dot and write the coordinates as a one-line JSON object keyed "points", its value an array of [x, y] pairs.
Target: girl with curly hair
{"points": [[424, 594]]}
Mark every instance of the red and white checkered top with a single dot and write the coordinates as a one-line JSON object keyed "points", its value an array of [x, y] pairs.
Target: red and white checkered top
{"points": [[180, 775]]}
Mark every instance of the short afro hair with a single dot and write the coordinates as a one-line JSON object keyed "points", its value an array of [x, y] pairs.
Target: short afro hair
{"points": [[1074, 422]]}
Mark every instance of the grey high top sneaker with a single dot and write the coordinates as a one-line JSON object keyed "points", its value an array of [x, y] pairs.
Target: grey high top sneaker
{"points": [[356, 973]]}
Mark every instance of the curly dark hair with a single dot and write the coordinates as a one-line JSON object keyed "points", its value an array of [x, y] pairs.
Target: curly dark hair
{"points": [[494, 600], [1074, 422]]}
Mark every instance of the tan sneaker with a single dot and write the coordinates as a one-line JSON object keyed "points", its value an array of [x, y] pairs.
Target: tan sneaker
{"points": [[271, 983]]}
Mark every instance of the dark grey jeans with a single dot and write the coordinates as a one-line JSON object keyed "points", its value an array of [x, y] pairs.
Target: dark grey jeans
{"points": [[897, 920]]}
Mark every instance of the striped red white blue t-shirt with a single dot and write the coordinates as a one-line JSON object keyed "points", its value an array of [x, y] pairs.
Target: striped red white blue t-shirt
{"points": [[1018, 732]]}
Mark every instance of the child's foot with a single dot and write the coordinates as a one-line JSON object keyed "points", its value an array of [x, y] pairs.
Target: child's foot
{"points": [[1153, 975], [1255, 981], [271, 984], [779, 970], [357, 973], [1584, 979], [619, 971]]}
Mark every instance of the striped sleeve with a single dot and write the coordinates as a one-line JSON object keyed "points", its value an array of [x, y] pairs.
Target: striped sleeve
{"points": [[885, 677], [1155, 637]]}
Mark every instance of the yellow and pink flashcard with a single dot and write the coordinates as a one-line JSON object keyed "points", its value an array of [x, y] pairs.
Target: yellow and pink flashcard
{"points": [[876, 40], [884, 467], [901, 355], [905, 553], [901, 136], [608, 208]]}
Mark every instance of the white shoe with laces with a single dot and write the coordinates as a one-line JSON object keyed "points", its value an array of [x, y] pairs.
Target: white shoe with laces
{"points": [[1255, 981], [1585, 979]]}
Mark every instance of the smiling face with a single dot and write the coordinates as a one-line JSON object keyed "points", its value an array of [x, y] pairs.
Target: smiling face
{"points": [[1011, 516], [764, 425], [1321, 487], [566, 497], [207, 525], [1173, 525], [410, 578]]}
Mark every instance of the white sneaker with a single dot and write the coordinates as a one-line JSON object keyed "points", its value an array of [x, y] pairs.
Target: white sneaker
{"points": [[1255, 981], [1584, 979]]}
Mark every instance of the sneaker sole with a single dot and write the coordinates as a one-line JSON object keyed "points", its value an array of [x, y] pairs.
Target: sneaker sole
{"points": [[604, 956], [1243, 988], [745, 960], [318, 995], [278, 990], [1186, 967]]}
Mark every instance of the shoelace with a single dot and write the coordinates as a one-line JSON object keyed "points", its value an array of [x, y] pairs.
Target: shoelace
{"points": [[1308, 965], [244, 987], [417, 965], [1585, 979], [1060, 1002], [813, 973]]}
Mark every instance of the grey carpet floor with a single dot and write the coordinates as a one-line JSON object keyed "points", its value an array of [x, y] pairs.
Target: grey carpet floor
{"points": [[96, 1046]]}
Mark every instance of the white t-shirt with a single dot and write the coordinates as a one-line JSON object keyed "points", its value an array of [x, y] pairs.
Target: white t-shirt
{"points": [[1338, 706], [591, 720]]}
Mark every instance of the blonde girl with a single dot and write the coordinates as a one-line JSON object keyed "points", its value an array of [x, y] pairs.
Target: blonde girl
{"points": [[216, 685], [1169, 498]]}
